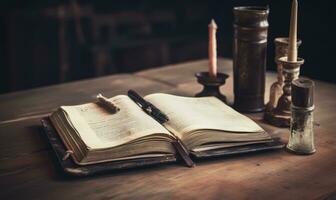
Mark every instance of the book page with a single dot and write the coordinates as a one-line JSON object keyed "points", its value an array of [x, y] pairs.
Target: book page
{"points": [[189, 114], [99, 128]]}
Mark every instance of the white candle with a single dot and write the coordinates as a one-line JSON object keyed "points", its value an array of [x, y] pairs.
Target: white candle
{"points": [[292, 48], [212, 49]]}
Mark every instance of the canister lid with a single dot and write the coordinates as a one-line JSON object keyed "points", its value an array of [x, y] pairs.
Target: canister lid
{"points": [[303, 92]]}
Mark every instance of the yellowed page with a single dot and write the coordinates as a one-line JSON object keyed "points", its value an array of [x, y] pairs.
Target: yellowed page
{"points": [[189, 114], [99, 128]]}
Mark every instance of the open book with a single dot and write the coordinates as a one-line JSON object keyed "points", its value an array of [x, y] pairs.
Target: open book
{"points": [[94, 135]]}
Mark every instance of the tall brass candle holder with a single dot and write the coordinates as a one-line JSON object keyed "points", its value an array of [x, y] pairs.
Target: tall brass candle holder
{"points": [[280, 116], [276, 90]]}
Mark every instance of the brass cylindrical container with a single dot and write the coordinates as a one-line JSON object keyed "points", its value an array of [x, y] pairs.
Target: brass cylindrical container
{"points": [[249, 57]]}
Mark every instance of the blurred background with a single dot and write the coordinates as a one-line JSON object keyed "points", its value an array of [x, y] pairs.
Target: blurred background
{"points": [[48, 42]]}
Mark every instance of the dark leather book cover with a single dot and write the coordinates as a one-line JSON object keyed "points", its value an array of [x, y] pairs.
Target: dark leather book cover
{"points": [[71, 168]]}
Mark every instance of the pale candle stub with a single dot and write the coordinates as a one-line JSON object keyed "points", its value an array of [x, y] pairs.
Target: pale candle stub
{"points": [[212, 49], [292, 48]]}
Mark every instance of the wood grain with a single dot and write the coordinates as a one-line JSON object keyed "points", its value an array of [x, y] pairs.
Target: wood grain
{"points": [[28, 169]]}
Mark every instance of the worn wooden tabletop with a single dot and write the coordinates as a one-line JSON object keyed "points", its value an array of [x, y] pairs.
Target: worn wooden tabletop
{"points": [[28, 169]]}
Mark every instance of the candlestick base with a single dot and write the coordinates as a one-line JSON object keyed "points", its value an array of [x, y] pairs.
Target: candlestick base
{"points": [[211, 85], [275, 119]]}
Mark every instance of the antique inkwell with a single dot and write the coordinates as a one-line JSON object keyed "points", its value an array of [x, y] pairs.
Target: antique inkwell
{"points": [[212, 80], [301, 139]]}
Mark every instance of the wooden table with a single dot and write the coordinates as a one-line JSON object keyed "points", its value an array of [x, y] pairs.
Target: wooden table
{"points": [[28, 169]]}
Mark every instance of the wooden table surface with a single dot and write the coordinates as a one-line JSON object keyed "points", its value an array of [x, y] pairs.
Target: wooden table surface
{"points": [[28, 169]]}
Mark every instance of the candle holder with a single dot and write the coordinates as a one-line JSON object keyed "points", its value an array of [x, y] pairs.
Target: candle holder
{"points": [[281, 50], [211, 85], [281, 115]]}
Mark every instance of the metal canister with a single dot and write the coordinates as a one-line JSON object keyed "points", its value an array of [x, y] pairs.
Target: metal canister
{"points": [[249, 57]]}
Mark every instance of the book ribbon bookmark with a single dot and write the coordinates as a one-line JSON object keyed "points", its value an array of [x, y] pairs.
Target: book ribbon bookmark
{"points": [[159, 116]]}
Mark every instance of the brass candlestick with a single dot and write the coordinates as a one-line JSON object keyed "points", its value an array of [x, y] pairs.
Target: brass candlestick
{"points": [[280, 116], [281, 50]]}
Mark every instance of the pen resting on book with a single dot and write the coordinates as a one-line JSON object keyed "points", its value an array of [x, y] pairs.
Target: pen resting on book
{"points": [[158, 115], [107, 103], [148, 107]]}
